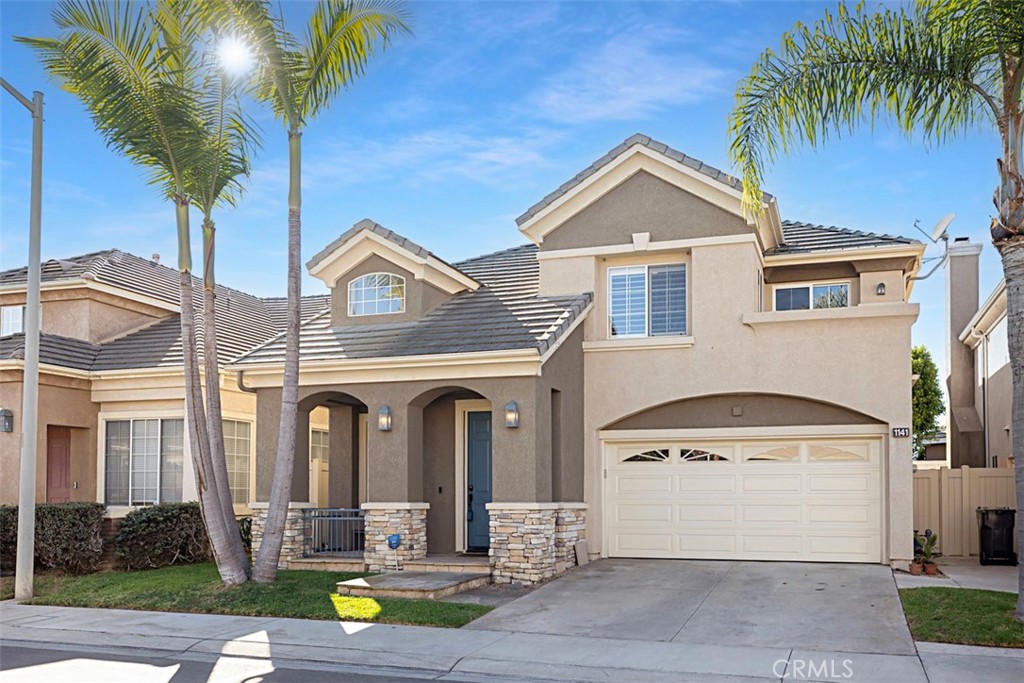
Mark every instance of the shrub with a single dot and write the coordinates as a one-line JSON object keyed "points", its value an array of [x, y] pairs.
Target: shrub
{"points": [[162, 535], [67, 536], [245, 529]]}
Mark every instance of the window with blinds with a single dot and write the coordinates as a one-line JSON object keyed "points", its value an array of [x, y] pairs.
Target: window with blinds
{"points": [[647, 301]]}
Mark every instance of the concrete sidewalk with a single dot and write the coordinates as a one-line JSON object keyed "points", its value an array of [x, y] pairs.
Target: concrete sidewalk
{"points": [[475, 655], [964, 572]]}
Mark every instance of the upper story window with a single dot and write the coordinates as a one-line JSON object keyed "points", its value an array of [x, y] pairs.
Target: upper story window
{"points": [[12, 320], [376, 294], [647, 301], [814, 295]]}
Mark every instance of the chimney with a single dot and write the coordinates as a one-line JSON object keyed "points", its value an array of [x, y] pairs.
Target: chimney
{"points": [[962, 294], [155, 259]]}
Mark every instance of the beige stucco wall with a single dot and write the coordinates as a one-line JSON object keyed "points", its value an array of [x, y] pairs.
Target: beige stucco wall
{"points": [[81, 313], [63, 402], [643, 203], [420, 296], [859, 362]]}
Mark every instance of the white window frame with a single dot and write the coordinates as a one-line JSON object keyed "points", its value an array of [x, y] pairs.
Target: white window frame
{"points": [[352, 283], [810, 292], [3, 321], [314, 430], [647, 300], [101, 474], [252, 459]]}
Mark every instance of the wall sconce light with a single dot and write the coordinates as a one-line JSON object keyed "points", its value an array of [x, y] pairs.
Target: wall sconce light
{"points": [[384, 419], [511, 415], [880, 289], [6, 420]]}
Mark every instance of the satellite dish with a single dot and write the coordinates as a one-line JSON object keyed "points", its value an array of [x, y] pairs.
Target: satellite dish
{"points": [[939, 233]]}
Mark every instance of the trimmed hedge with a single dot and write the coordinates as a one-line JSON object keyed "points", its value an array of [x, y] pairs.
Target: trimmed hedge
{"points": [[162, 535], [67, 536]]}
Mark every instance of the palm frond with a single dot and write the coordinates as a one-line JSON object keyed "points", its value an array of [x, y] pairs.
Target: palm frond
{"points": [[341, 37], [927, 70]]}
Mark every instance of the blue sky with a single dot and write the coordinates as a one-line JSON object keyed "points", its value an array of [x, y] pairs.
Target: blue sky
{"points": [[454, 132]]}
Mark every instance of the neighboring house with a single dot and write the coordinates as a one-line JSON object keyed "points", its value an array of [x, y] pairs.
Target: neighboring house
{"points": [[111, 396], [935, 448], [654, 374], [980, 382]]}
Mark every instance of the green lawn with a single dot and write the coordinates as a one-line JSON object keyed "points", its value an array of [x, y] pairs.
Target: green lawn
{"points": [[961, 615], [197, 588]]}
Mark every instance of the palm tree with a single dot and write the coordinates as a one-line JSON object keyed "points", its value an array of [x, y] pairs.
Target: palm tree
{"points": [[136, 68], [939, 69], [299, 81]]}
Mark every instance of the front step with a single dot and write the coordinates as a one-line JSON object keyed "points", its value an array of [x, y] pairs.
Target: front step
{"points": [[413, 585], [452, 564], [328, 564]]}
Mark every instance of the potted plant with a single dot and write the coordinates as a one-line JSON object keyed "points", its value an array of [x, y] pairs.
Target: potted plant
{"points": [[916, 566], [929, 553]]}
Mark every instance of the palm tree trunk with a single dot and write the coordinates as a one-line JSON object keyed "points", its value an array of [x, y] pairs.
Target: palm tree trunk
{"points": [[1013, 268], [215, 425], [280, 490], [209, 501]]}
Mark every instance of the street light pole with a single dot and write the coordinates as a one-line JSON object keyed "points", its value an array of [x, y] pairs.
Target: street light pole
{"points": [[24, 567]]}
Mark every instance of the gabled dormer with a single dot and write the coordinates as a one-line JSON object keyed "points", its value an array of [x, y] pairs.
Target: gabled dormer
{"points": [[376, 276]]}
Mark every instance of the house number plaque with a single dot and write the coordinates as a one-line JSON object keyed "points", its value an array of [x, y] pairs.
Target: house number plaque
{"points": [[901, 432]]}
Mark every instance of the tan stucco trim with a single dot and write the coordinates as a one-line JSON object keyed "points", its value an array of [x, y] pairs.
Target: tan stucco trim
{"points": [[521, 363], [634, 248], [366, 243], [637, 344], [637, 158], [644, 435], [890, 310], [988, 316]]}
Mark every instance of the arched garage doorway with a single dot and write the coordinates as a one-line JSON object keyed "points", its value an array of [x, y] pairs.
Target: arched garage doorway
{"points": [[745, 477]]}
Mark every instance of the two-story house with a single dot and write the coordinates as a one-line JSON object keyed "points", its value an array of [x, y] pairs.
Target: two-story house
{"points": [[653, 374]]}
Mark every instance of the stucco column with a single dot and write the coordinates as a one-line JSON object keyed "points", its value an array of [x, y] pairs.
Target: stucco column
{"points": [[901, 502], [300, 473], [343, 455], [965, 444], [521, 456], [395, 458], [268, 418]]}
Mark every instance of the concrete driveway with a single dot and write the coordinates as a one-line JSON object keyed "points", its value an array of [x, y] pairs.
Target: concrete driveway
{"points": [[836, 607]]}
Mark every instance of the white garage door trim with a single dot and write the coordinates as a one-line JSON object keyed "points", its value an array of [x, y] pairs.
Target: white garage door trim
{"points": [[806, 506]]}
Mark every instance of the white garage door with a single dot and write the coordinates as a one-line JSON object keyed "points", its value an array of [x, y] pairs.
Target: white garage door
{"points": [[797, 499]]}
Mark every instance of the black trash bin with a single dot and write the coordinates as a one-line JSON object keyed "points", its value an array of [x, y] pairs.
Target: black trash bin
{"points": [[995, 535]]}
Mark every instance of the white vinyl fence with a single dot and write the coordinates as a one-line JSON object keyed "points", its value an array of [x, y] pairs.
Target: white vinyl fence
{"points": [[946, 501]]}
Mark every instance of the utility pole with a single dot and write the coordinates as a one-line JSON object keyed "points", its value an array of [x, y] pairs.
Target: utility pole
{"points": [[24, 568]]}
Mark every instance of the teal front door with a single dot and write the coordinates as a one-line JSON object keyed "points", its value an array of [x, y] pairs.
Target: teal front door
{"points": [[478, 480]]}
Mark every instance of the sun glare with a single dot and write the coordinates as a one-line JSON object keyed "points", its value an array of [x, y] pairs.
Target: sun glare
{"points": [[234, 55]]}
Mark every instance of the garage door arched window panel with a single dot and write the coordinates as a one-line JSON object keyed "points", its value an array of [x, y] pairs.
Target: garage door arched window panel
{"points": [[376, 294], [701, 455], [772, 453], [650, 455], [838, 452]]}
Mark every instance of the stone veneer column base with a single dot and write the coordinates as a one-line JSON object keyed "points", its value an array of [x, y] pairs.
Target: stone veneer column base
{"points": [[533, 542], [294, 536], [384, 519]]}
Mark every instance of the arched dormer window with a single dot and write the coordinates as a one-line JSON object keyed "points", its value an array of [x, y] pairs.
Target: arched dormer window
{"points": [[376, 294]]}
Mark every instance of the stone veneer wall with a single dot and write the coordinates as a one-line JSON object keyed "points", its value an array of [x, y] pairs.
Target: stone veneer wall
{"points": [[384, 519], [533, 542], [291, 547]]}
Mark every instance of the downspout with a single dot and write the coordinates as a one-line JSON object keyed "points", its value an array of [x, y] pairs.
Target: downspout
{"points": [[240, 381]]}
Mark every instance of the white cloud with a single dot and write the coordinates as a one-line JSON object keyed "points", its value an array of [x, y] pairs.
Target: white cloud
{"points": [[630, 76]]}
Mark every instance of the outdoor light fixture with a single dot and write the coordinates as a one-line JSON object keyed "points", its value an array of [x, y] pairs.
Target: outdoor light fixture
{"points": [[511, 415], [6, 421], [880, 289], [384, 419]]}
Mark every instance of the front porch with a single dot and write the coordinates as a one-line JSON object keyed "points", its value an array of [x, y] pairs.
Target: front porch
{"points": [[468, 488]]}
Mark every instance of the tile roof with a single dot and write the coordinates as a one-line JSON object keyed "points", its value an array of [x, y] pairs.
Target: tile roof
{"points": [[505, 314], [245, 321], [53, 350], [637, 139], [807, 237]]}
